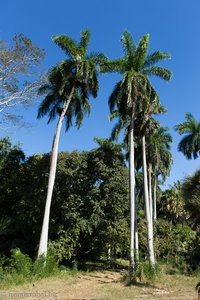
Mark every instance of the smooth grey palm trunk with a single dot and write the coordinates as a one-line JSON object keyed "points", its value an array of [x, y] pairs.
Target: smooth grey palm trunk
{"points": [[53, 164], [132, 198], [150, 192], [155, 199], [136, 236], [147, 208]]}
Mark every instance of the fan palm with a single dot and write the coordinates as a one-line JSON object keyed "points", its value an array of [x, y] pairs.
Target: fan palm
{"points": [[134, 95], [190, 143], [69, 86]]}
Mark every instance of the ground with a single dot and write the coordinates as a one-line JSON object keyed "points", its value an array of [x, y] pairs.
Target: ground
{"points": [[105, 285]]}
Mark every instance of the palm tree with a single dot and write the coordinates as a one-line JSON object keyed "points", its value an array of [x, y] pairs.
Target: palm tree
{"points": [[108, 151], [190, 143], [191, 194], [69, 86], [159, 159], [132, 95]]}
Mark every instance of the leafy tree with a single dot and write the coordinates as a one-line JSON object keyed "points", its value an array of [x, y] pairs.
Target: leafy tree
{"points": [[17, 61], [190, 143], [175, 242], [11, 162], [69, 86]]}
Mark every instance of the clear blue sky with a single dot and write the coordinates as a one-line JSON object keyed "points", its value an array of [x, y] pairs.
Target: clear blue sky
{"points": [[174, 27]]}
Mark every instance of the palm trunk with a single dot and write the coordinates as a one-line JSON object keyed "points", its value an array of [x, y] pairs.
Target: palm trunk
{"points": [[147, 207], [132, 198], [136, 236], [53, 164], [150, 193], [155, 199]]}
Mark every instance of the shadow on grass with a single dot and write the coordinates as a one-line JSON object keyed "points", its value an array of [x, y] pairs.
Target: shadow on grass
{"points": [[102, 265], [141, 284]]}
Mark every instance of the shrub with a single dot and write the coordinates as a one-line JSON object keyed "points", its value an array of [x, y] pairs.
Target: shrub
{"points": [[19, 268]]}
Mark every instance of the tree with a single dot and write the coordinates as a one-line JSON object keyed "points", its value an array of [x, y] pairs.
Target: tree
{"points": [[191, 194], [69, 86], [11, 162], [16, 63], [159, 158], [133, 95], [190, 143]]}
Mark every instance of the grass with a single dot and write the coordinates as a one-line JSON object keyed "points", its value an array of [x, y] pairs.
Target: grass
{"points": [[108, 285]]}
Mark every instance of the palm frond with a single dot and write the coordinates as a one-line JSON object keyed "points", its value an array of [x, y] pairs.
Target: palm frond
{"points": [[98, 59], [116, 130], [44, 89], [115, 96], [141, 52], [84, 42], [160, 72], [67, 44], [128, 44], [116, 65], [154, 58], [46, 105]]}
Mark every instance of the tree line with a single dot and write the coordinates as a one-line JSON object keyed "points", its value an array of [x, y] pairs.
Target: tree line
{"points": [[90, 215]]}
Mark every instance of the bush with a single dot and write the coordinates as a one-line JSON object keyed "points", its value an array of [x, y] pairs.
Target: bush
{"points": [[20, 263], [45, 267], [19, 268]]}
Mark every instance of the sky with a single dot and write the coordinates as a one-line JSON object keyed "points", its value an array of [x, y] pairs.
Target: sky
{"points": [[174, 27]]}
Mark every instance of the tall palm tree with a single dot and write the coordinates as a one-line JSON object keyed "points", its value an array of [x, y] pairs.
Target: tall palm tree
{"points": [[190, 143], [159, 158], [132, 95], [69, 86]]}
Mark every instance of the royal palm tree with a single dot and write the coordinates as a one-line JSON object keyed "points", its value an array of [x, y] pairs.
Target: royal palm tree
{"points": [[132, 95], [69, 86], [190, 143], [159, 159]]}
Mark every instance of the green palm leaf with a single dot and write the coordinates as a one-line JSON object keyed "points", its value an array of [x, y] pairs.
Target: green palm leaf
{"points": [[190, 143]]}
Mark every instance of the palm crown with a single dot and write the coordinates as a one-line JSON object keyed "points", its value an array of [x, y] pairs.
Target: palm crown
{"points": [[78, 72], [158, 150], [136, 66], [190, 143]]}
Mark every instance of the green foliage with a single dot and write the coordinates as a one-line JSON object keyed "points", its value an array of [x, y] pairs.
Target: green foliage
{"points": [[45, 267], [191, 195], [148, 273], [173, 205], [134, 91], [90, 215], [20, 268], [190, 143], [175, 243], [20, 264], [75, 79], [64, 247]]}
